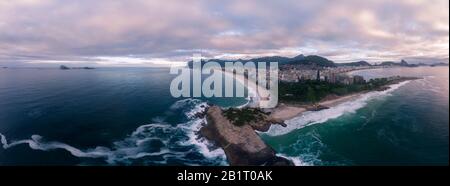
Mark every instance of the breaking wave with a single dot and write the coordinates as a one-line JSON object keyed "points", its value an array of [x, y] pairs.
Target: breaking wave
{"points": [[163, 143], [296, 160], [316, 117], [37, 143]]}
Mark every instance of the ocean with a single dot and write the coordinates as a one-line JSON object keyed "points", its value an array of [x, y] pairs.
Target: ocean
{"points": [[126, 116], [105, 116], [405, 125]]}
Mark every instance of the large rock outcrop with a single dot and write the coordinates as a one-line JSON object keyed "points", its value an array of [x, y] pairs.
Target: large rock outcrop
{"points": [[242, 145]]}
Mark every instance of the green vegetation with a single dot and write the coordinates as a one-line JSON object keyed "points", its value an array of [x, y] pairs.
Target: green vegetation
{"points": [[240, 117], [312, 91]]}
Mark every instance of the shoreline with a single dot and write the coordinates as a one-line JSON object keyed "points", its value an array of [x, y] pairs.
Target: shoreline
{"points": [[243, 145], [349, 103], [251, 86], [287, 111]]}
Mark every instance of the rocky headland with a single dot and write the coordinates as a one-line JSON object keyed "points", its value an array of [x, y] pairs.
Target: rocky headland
{"points": [[241, 144], [235, 129]]}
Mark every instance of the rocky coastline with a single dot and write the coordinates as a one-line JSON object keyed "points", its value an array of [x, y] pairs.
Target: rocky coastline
{"points": [[236, 134], [241, 144]]}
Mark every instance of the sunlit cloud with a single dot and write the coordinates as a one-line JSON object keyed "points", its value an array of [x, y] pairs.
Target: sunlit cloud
{"points": [[132, 61], [159, 32]]}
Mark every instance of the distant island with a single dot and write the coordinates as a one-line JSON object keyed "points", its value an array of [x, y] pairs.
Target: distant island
{"points": [[63, 67], [439, 64]]}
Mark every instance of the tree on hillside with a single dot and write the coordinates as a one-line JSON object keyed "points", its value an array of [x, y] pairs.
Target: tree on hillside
{"points": [[311, 95]]}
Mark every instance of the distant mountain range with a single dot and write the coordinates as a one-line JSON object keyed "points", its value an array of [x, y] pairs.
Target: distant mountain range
{"points": [[311, 60], [63, 67], [314, 61], [391, 63], [355, 64]]}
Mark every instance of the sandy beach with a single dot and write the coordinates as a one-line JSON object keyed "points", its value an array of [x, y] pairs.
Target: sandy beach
{"points": [[286, 111]]}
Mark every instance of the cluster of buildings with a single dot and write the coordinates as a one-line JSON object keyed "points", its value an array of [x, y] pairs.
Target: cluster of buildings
{"points": [[328, 74]]}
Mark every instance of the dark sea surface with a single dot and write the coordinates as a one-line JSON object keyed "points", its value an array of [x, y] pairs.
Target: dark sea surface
{"points": [[117, 116], [127, 116]]}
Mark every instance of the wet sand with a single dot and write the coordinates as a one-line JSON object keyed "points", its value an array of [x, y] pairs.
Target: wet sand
{"points": [[287, 111]]}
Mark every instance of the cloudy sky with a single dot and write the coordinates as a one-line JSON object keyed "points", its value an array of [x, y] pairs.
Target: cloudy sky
{"points": [[159, 32]]}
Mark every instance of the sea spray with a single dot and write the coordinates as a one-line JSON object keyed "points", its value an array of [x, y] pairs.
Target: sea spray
{"points": [[204, 146], [37, 143], [316, 117], [157, 139], [296, 160]]}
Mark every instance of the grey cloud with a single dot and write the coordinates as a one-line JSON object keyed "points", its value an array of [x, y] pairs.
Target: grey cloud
{"points": [[341, 30]]}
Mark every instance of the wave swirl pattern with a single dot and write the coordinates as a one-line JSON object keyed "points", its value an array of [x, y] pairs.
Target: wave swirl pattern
{"points": [[150, 144]]}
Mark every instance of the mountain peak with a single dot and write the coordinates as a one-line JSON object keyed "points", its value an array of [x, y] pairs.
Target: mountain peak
{"points": [[301, 56]]}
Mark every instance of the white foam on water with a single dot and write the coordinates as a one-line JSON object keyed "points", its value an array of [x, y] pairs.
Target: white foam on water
{"points": [[37, 143], [296, 160], [316, 117], [135, 146], [429, 84], [158, 119], [180, 104], [203, 145], [132, 147]]}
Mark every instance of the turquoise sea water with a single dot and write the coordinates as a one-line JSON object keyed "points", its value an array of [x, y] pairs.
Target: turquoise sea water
{"points": [[407, 125], [126, 116]]}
